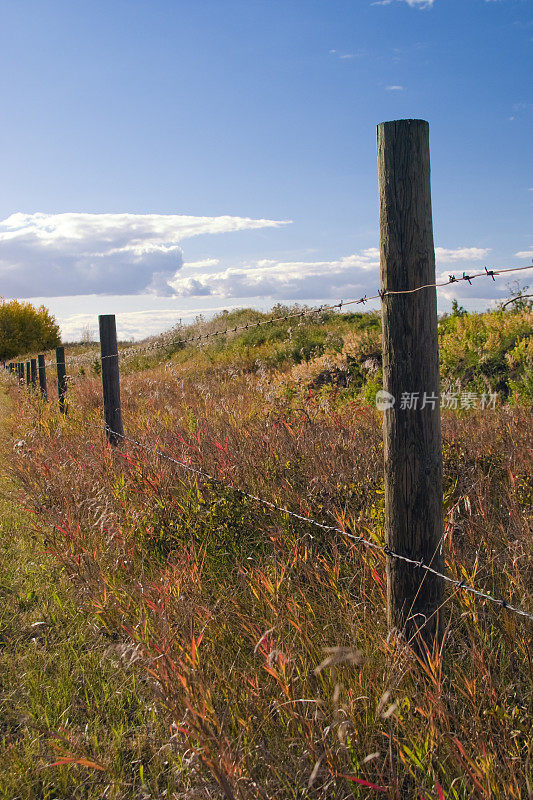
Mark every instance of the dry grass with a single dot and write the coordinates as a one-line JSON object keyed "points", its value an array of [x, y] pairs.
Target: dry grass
{"points": [[263, 641], [76, 719]]}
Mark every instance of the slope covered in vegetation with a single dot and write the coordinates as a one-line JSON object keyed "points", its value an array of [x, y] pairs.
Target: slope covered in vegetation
{"points": [[262, 640], [490, 352]]}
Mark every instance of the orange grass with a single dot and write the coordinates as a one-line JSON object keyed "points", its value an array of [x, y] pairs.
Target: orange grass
{"points": [[264, 640]]}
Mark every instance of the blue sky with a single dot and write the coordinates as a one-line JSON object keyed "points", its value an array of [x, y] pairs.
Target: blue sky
{"points": [[160, 158]]}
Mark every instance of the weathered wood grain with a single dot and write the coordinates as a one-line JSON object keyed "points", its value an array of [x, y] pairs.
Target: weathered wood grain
{"points": [[412, 436], [110, 378]]}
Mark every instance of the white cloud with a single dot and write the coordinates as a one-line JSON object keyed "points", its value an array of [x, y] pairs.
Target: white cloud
{"points": [[285, 280], [73, 253], [394, 88], [352, 275], [412, 3], [205, 262], [446, 256], [525, 253]]}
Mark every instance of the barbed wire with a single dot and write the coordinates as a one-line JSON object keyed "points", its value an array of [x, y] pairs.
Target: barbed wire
{"points": [[459, 584], [381, 294], [168, 338]]}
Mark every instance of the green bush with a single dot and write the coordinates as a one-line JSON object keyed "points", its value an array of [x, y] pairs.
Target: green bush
{"points": [[25, 329], [488, 352]]}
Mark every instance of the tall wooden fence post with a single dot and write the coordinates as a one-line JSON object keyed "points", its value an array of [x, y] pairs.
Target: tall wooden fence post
{"points": [[42, 376], [110, 378], [33, 372], [411, 402], [28, 374], [61, 379], [20, 371]]}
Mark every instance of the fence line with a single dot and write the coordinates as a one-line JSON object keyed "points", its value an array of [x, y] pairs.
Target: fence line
{"points": [[459, 584], [113, 435], [380, 295], [412, 443], [321, 309]]}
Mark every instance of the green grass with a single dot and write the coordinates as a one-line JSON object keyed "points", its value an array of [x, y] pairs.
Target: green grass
{"points": [[65, 690], [341, 352]]}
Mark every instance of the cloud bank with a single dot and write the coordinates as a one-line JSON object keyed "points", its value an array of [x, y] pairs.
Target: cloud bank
{"points": [[294, 280], [207, 286], [350, 276], [53, 255]]}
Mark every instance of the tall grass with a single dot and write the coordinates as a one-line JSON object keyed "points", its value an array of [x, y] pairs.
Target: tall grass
{"points": [[262, 640]]}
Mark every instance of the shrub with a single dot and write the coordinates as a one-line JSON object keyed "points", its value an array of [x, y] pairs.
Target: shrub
{"points": [[25, 328], [486, 352]]}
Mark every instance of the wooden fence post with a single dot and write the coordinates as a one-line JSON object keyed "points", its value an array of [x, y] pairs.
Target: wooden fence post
{"points": [[61, 379], [33, 372], [20, 371], [28, 374], [42, 376], [110, 378], [411, 422]]}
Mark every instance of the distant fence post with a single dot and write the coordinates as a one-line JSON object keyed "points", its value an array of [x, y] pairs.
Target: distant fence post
{"points": [[33, 372], [411, 422], [28, 374], [110, 378], [42, 376], [61, 379]]}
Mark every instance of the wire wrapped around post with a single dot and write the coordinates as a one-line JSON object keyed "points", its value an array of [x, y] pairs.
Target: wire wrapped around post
{"points": [[110, 378], [61, 379]]}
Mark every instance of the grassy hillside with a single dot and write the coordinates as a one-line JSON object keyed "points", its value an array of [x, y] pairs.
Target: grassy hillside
{"points": [[261, 641]]}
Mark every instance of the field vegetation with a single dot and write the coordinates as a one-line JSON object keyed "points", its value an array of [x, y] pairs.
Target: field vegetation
{"points": [[241, 653]]}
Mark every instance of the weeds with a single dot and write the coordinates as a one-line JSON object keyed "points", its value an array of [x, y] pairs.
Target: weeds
{"points": [[263, 644]]}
